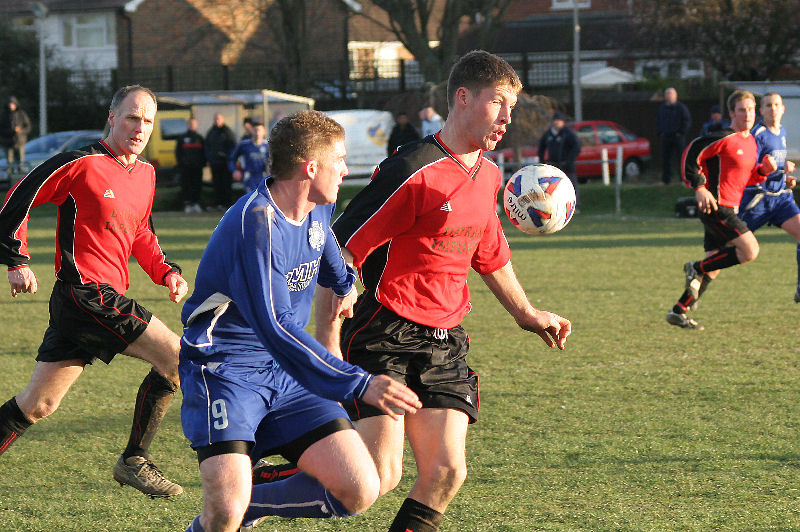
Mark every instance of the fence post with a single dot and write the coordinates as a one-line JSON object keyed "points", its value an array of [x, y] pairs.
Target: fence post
{"points": [[604, 161], [618, 191], [402, 75]]}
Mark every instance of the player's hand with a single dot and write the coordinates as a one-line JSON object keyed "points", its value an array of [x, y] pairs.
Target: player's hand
{"points": [[788, 167], [237, 175], [791, 181], [178, 287], [552, 328], [343, 306], [705, 200], [22, 280], [391, 396], [768, 165]]}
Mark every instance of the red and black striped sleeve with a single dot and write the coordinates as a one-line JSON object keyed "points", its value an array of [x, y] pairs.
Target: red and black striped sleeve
{"points": [[697, 151]]}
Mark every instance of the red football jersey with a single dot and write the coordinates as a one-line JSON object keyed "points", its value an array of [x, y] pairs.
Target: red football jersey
{"points": [[415, 231], [103, 217]]}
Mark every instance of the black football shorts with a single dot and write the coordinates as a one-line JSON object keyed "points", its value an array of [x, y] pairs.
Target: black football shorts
{"points": [[89, 321], [721, 227], [430, 361]]}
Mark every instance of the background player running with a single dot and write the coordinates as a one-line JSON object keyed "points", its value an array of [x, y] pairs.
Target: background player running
{"points": [[772, 202], [718, 167], [104, 196], [254, 382]]}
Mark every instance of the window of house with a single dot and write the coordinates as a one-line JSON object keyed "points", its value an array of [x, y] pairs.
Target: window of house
{"points": [[89, 31], [568, 4]]}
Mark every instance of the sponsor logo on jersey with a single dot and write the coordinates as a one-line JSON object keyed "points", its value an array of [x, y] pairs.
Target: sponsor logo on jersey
{"points": [[316, 235], [301, 277], [109, 194]]}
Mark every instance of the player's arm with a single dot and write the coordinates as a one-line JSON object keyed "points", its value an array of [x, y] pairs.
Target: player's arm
{"points": [[154, 261], [48, 182], [335, 295], [691, 168], [791, 181], [552, 328]]}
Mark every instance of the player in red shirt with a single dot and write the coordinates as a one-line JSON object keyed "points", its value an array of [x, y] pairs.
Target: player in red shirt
{"points": [[718, 167], [427, 217], [104, 196]]}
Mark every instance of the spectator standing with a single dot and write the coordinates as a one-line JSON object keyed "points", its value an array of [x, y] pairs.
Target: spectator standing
{"points": [[191, 156], [254, 153], [431, 121], [247, 124], [715, 122], [402, 133], [14, 129], [219, 144], [672, 123], [559, 146]]}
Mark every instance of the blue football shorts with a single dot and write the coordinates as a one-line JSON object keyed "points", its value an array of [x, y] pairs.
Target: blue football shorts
{"points": [[259, 404], [772, 209]]}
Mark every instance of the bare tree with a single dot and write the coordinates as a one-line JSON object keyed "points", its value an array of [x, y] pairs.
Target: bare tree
{"points": [[740, 39], [418, 22]]}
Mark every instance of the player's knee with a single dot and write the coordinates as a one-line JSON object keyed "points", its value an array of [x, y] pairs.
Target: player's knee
{"points": [[390, 472], [40, 408], [446, 477], [222, 515], [748, 253], [357, 500]]}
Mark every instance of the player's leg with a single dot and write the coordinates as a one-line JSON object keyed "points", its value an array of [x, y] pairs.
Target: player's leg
{"points": [[226, 492], [48, 386], [441, 467], [159, 346], [792, 226], [384, 437]]}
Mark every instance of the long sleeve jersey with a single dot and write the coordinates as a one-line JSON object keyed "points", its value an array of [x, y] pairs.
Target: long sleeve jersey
{"points": [[419, 226], [254, 291], [103, 217], [254, 161], [724, 162], [768, 143]]}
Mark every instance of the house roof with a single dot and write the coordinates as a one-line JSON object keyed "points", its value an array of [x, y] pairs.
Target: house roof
{"points": [[554, 33], [23, 6]]}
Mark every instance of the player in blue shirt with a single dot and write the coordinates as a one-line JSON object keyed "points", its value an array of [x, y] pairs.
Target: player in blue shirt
{"points": [[254, 381], [772, 202], [252, 153]]}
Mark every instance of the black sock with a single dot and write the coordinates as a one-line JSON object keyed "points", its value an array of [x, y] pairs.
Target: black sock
{"points": [[684, 302], [724, 258], [273, 473], [703, 285], [13, 423], [414, 516], [152, 401]]}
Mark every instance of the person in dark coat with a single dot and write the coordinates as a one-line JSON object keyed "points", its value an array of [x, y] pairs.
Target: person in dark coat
{"points": [[219, 144], [191, 157], [559, 146], [14, 129], [672, 123], [403, 132]]}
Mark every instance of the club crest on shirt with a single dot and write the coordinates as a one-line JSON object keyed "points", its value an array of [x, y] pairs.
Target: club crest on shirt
{"points": [[316, 235]]}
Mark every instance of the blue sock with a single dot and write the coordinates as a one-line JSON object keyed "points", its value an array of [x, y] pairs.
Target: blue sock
{"points": [[798, 267], [195, 526], [298, 496]]}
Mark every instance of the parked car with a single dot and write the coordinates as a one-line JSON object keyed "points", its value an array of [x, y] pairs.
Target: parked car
{"points": [[42, 148], [594, 136]]}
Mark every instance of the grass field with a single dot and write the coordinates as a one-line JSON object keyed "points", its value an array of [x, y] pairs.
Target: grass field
{"points": [[637, 425]]}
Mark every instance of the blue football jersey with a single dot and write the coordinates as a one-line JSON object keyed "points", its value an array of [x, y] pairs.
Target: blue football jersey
{"points": [[768, 143], [254, 290]]}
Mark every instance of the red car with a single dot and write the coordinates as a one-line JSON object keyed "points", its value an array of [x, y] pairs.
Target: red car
{"points": [[594, 136]]}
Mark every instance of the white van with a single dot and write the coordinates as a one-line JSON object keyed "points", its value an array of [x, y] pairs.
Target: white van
{"points": [[366, 136]]}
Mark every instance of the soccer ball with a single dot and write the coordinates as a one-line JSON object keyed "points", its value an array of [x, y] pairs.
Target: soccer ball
{"points": [[539, 199]]}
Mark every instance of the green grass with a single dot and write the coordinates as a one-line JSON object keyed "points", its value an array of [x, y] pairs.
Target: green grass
{"points": [[635, 426]]}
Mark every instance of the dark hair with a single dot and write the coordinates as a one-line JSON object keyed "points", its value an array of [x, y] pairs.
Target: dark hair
{"points": [[479, 69], [123, 92], [300, 137]]}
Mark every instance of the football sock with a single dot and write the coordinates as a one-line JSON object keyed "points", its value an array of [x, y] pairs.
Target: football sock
{"points": [[798, 267], [724, 258], [12, 423], [274, 473], [414, 516], [195, 526], [684, 302], [154, 397], [703, 285], [300, 495]]}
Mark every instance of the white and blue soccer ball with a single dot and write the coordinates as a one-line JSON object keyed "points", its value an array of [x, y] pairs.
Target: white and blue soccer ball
{"points": [[539, 199]]}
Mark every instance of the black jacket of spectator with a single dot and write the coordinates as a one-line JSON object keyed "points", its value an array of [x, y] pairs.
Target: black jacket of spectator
{"points": [[400, 136], [219, 143], [9, 121], [673, 119], [189, 150], [560, 149]]}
